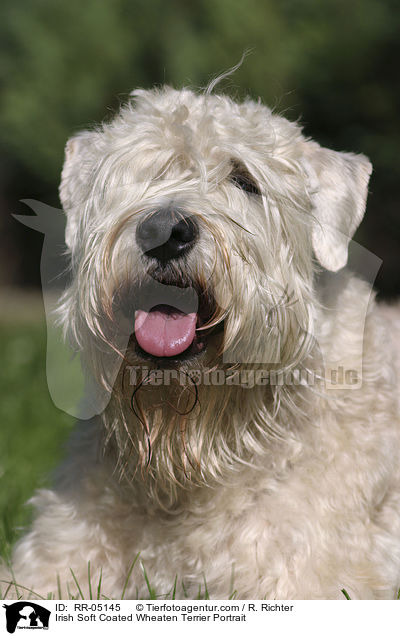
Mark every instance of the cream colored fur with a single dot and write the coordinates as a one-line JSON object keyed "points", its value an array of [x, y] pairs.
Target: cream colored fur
{"points": [[275, 492]]}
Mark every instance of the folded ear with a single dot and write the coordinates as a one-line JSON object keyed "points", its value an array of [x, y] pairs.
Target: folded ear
{"points": [[74, 186], [339, 181]]}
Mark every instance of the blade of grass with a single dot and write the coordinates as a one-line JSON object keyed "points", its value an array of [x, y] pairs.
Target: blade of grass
{"points": [[6, 592], [14, 581], [22, 587], [99, 585], [128, 576], [77, 584], [184, 590], [174, 588], [206, 594], [152, 592], [89, 582]]}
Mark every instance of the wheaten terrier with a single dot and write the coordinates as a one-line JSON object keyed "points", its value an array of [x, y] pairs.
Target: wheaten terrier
{"points": [[243, 442]]}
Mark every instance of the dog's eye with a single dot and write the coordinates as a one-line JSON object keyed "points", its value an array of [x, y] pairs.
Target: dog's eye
{"points": [[244, 181]]}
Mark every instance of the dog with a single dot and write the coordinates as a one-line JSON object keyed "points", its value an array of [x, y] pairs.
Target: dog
{"points": [[211, 306]]}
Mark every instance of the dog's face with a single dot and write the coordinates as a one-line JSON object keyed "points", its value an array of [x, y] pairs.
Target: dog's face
{"points": [[192, 221]]}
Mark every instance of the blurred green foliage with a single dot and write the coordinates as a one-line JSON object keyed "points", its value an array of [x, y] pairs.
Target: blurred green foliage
{"points": [[65, 64], [32, 429]]}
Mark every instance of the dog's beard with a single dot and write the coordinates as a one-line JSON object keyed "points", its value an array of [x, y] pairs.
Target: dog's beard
{"points": [[177, 435], [180, 434], [167, 439], [172, 436]]}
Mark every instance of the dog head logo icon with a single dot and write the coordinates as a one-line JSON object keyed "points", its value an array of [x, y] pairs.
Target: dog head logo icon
{"points": [[26, 615]]}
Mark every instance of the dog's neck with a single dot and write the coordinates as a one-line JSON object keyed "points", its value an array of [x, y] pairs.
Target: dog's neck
{"points": [[171, 440]]}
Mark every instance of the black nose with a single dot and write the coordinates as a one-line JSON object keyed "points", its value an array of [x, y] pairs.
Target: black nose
{"points": [[166, 234]]}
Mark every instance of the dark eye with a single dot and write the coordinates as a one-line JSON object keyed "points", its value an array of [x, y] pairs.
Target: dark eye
{"points": [[243, 180]]}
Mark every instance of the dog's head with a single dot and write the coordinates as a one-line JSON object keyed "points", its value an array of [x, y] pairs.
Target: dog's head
{"points": [[194, 224], [194, 218]]}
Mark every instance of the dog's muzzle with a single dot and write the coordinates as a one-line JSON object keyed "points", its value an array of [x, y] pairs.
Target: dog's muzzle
{"points": [[166, 329]]}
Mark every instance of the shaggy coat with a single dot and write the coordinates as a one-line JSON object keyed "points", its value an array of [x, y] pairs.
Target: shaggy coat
{"points": [[284, 489]]}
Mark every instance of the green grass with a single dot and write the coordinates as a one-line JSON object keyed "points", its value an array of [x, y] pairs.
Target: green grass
{"points": [[32, 429], [14, 589]]}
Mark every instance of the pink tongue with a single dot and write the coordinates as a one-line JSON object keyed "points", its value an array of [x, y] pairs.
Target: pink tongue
{"points": [[164, 333]]}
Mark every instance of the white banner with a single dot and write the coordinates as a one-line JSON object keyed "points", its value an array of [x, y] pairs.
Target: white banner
{"points": [[178, 617]]}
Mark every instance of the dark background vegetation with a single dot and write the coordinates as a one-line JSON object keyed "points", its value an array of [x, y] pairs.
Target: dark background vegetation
{"points": [[66, 63]]}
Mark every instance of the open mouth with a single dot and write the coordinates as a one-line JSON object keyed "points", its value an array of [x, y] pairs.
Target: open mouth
{"points": [[165, 331], [171, 322]]}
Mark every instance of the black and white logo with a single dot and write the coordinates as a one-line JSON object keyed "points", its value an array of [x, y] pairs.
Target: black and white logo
{"points": [[26, 615]]}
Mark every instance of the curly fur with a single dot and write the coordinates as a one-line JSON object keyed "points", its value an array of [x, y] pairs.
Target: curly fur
{"points": [[288, 490]]}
